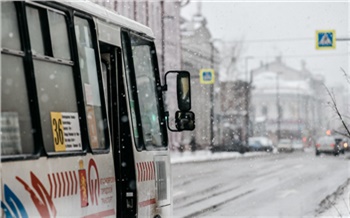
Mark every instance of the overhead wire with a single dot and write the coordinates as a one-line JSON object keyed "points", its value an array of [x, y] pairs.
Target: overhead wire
{"points": [[288, 40], [280, 40]]}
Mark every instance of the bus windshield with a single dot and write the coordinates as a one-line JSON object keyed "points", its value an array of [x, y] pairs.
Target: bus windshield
{"points": [[143, 91]]}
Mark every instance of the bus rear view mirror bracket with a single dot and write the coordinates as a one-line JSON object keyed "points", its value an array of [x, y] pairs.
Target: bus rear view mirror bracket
{"points": [[184, 118], [184, 121]]}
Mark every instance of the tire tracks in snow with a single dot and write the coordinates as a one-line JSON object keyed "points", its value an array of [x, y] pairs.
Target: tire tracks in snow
{"points": [[202, 211]]}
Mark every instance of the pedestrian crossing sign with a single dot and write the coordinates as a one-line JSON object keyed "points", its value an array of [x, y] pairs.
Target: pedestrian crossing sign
{"points": [[206, 76], [325, 39]]}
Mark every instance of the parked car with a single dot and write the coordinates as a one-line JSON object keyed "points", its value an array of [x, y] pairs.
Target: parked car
{"points": [[265, 143], [254, 145], [329, 144], [297, 145], [235, 145], [285, 145], [344, 142]]}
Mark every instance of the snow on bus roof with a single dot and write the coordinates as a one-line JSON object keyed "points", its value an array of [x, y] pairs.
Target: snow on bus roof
{"points": [[107, 15]]}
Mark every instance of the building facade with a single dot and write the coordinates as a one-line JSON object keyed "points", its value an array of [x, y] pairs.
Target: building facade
{"points": [[198, 52], [287, 103], [234, 102]]}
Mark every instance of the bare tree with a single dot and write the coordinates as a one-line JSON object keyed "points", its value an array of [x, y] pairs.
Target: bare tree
{"points": [[345, 75], [232, 53], [184, 3], [334, 106]]}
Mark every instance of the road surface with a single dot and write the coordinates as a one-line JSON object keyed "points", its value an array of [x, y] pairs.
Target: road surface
{"points": [[273, 185]]}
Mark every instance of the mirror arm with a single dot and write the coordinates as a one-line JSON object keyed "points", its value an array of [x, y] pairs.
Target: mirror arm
{"points": [[165, 87], [167, 122]]}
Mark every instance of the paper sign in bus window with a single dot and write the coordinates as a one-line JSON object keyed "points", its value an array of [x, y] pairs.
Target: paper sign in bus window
{"points": [[10, 133], [66, 131], [88, 94], [92, 75], [92, 127]]}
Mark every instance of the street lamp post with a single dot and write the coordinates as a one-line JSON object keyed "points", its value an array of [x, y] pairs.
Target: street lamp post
{"points": [[246, 59], [278, 107], [162, 24], [212, 96], [212, 65], [170, 104], [247, 98], [162, 14]]}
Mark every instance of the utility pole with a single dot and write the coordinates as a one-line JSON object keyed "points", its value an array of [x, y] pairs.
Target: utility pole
{"points": [[215, 117], [162, 15], [299, 117], [278, 107], [218, 120], [212, 63], [246, 116], [247, 90]]}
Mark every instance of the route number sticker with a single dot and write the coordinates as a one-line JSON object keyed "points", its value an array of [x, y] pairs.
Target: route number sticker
{"points": [[66, 131]]}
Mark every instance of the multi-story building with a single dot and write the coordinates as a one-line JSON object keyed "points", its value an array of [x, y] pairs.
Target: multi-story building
{"points": [[198, 52], [234, 100], [287, 102]]}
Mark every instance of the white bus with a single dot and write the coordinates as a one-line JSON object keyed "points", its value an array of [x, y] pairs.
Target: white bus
{"points": [[83, 122]]}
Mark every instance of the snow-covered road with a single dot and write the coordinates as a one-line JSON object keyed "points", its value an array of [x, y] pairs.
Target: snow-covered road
{"points": [[259, 184]]}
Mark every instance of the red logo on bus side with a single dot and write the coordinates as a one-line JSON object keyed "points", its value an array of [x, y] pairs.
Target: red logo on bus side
{"points": [[83, 185], [42, 201], [94, 182]]}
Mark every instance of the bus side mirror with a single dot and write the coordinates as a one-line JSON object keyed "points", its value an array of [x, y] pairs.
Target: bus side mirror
{"points": [[183, 91], [184, 118]]}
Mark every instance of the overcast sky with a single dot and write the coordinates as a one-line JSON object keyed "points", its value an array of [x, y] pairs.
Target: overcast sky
{"points": [[281, 28]]}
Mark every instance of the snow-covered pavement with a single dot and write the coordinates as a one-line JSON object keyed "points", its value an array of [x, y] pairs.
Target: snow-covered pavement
{"points": [[335, 204], [177, 157]]}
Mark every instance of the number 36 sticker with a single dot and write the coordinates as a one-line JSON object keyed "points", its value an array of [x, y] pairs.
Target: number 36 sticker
{"points": [[65, 131]]}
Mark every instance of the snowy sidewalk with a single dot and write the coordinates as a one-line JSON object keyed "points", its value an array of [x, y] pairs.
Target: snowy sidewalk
{"points": [[199, 156], [337, 203]]}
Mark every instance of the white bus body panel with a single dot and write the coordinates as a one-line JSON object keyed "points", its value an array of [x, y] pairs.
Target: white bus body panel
{"points": [[60, 187], [153, 184]]}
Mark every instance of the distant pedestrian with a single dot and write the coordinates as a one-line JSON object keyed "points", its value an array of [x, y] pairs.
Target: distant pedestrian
{"points": [[181, 147], [193, 144]]}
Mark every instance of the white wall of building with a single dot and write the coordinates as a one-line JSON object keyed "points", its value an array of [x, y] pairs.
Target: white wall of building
{"points": [[299, 94]]}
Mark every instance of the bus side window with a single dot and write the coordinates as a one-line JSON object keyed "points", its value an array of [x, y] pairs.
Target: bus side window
{"points": [[16, 123], [10, 37], [36, 37], [59, 36], [105, 71], [53, 71], [97, 125]]}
